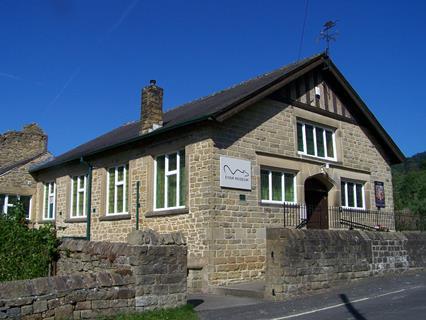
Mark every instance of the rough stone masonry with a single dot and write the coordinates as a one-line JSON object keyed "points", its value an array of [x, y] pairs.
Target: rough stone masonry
{"points": [[299, 261], [103, 279]]}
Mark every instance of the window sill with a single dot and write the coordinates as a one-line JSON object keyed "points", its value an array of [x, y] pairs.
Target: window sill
{"points": [[162, 213], [312, 157], [271, 204], [75, 220], [116, 217]]}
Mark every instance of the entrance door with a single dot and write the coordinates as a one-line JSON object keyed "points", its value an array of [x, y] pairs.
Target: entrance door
{"points": [[316, 198]]}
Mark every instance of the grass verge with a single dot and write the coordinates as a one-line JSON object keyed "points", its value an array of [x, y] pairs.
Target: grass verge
{"points": [[182, 313]]}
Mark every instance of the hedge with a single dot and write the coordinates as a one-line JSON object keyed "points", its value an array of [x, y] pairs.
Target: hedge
{"points": [[25, 253]]}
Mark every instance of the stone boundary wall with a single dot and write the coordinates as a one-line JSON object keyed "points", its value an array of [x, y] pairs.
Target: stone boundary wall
{"points": [[80, 296], [299, 261], [103, 279], [416, 249], [95, 256]]}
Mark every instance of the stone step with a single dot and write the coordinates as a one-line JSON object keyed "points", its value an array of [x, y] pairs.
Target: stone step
{"points": [[253, 289]]}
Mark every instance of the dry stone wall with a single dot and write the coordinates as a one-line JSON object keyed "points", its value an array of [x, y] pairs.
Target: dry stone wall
{"points": [[80, 296], [102, 279], [299, 261]]}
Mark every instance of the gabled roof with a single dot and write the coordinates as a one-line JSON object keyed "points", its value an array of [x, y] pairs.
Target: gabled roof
{"points": [[217, 106]]}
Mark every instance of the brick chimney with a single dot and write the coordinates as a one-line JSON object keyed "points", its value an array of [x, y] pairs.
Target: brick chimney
{"points": [[151, 108]]}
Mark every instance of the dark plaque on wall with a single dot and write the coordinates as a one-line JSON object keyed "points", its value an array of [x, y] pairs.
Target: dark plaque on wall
{"points": [[379, 192]]}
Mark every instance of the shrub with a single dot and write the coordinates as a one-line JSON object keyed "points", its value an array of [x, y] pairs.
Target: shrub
{"points": [[25, 253]]}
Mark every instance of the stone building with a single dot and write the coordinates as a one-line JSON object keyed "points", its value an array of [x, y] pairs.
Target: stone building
{"points": [[18, 151], [277, 149]]}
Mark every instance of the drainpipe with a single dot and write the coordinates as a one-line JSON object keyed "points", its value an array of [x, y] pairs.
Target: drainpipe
{"points": [[137, 204], [89, 197]]}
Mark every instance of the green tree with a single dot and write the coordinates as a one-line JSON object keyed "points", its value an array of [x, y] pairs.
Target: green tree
{"points": [[409, 181]]}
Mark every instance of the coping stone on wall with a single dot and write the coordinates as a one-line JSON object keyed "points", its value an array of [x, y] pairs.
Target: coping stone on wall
{"points": [[150, 237]]}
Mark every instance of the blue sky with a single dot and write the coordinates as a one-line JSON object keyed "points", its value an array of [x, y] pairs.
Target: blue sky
{"points": [[77, 67]]}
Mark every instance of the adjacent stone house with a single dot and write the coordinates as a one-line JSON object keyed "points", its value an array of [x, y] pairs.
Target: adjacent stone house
{"points": [[19, 150], [275, 150]]}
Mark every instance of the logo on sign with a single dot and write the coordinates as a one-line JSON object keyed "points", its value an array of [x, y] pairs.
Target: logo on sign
{"points": [[235, 173]]}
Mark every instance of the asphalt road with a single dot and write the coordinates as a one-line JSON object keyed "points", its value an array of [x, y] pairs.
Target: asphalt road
{"points": [[389, 297]]}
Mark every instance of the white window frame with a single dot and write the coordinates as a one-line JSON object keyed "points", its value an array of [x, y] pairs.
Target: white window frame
{"points": [[74, 215], [7, 205], [116, 184], [168, 173], [305, 153], [50, 192], [345, 191], [282, 187]]}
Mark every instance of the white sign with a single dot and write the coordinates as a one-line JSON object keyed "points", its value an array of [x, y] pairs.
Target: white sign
{"points": [[235, 173]]}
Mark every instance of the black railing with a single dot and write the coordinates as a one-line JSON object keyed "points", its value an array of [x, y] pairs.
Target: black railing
{"points": [[295, 215], [345, 218], [301, 216]]}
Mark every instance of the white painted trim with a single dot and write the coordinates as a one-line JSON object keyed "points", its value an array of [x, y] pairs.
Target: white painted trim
{"points": [[324, 140], [315, 142], [167, 174], [304, 138], [283, 200], [270, 186], [44, 200], [54, 201], [334, 145], [166, 187], [355, 207], [30, 208], [177, 178], [154, 206], [7, 205], [117, 183], [79, 190], [47, 214], [305, 146]]}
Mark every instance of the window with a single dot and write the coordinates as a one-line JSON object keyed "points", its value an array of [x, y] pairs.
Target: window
{"points": [[170, 181], [117, 184], [277, 186], [352, 195], [315, 141], [78, 197], [49, 201], [9, 201]]}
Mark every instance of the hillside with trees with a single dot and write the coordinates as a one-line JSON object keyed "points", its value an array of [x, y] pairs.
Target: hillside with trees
{"points": [[409, 183]]}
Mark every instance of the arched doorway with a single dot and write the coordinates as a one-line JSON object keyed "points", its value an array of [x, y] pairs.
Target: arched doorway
{"points": [[316, 199]]}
